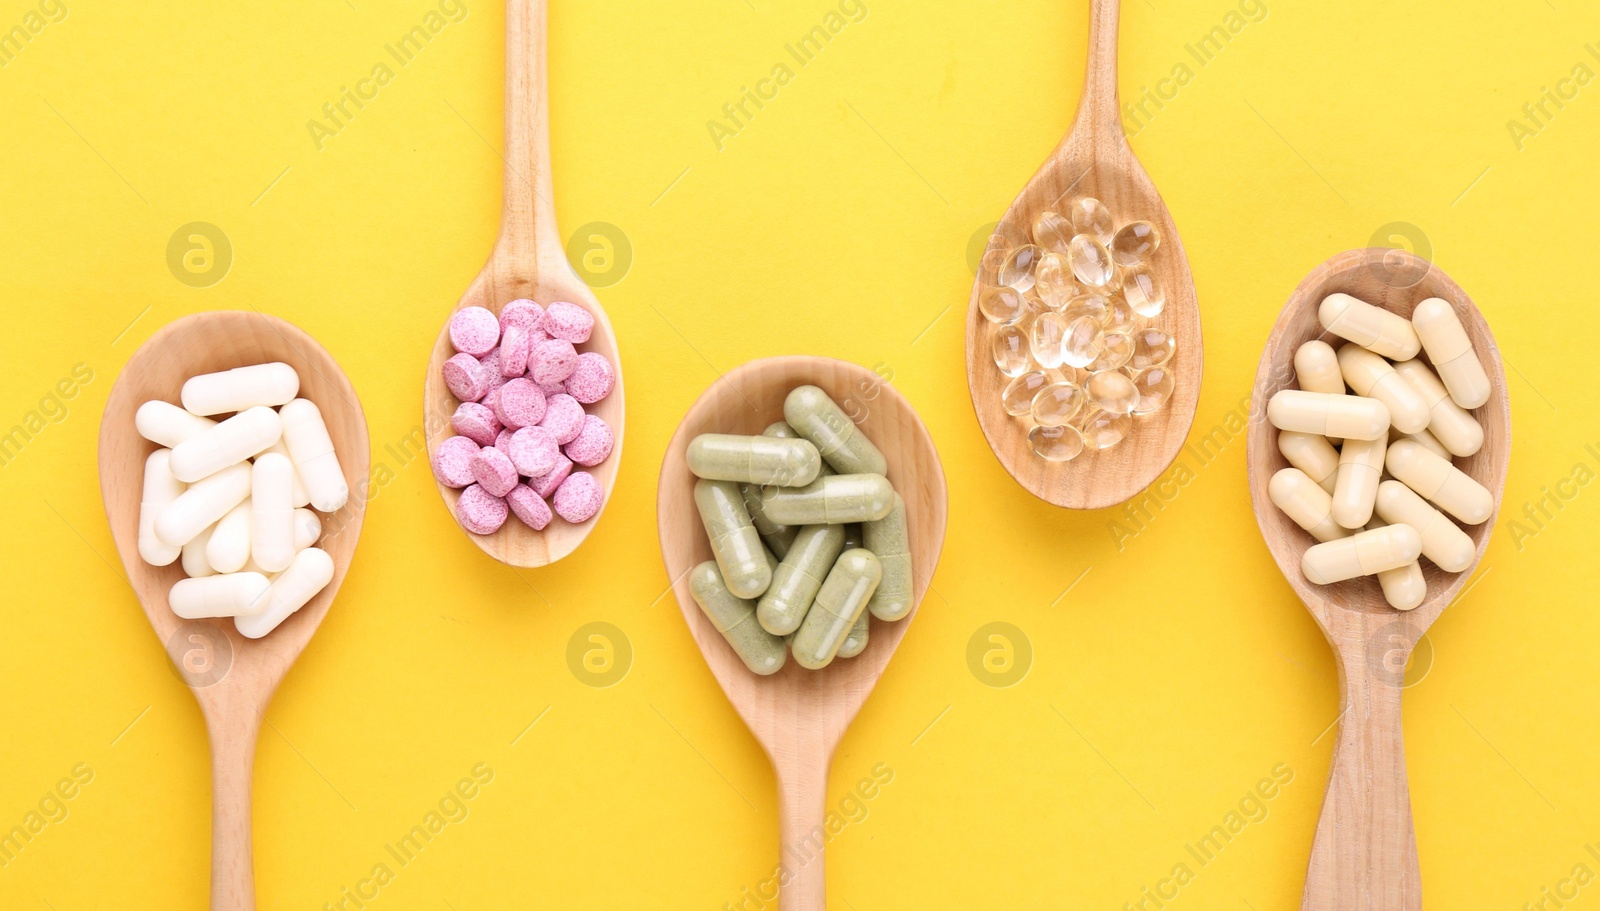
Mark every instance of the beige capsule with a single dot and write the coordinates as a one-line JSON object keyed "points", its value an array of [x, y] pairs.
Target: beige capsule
{"points": [[1316, 368], [1449, 423], [1372, 376], [1436, 480], [816, 417], [1404, 588], [798, 578], [1312, 454], [1356, 488], [889, 541], [1302, 500], [1385, 333], [831, 500], [735, 618], [1451, 351], [1424, 439], [1349, 417], [734, 540], [1446, 545], [1363, 554], [843, 598]]}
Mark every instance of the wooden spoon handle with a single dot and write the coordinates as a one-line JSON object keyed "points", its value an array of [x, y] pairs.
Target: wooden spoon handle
{"points": [[233, 753], [802, 800], [528, 220], [1099, 108], [1364, 857]]}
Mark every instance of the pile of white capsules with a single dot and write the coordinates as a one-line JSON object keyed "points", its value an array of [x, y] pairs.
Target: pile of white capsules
{"points": [[793, 570], [1068, 315], [228, 496], [1404, 417]]}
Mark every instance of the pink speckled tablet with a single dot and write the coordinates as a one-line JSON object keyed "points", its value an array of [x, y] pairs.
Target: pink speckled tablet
{"points": [[480, 511], [568, 321], [578, 499], [546, 486], [452, 461], [563, 417], [519, 403], [553, 361], [475, 422], [465, 377], [522, 313], [493, 471], [474, 330], [591, 379], [529, 507], [592, 444], [550, 389], [515, 346], [503, 441], [534, 451]]}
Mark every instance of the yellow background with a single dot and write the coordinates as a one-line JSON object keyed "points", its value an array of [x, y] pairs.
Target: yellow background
{"points": [[1173, 675]]}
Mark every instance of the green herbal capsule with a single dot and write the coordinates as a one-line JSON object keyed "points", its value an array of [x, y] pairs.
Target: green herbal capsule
{"points": [[754, 460], [735, 618], [832, 500], [819, 419], [734, 541], [798, 578], [856, 642], [841, 601], [886, 538], [778, 538]]}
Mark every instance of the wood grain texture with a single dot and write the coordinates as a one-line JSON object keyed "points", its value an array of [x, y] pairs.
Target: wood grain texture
{"points": [[527, 261], [1094, 160], [1365, 853], [250, 669], [800, 715]]}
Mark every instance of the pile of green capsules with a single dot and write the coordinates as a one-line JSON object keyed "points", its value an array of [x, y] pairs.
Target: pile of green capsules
{"points": [[808, 533]]}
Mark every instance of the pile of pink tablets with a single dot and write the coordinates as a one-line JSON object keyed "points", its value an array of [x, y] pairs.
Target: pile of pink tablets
{"points": [[521, 424]]}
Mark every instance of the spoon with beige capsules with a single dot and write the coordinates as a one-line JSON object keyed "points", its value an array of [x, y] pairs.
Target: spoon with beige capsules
{"points": [[1083, 332], [1365, 852]]}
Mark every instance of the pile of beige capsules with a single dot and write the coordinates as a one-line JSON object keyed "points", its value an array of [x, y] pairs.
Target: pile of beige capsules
{"points": [[793, 569], [1404, 417], [1068, 317]]}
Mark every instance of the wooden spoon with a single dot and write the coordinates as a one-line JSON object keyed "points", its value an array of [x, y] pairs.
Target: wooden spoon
{"points": [[1093, 160], [1365, 852], [232, 677], [527, 262], [798, 715]]}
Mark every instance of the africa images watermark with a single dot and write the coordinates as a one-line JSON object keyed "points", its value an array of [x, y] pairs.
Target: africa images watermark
{"points": [[338, 114], [1541, 112], [31, 26], [52, 810], [737, 114], [1538, 513], [52, 409], [1147, 102]]}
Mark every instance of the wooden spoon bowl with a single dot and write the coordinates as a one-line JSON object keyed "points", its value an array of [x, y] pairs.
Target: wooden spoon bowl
{"points": [[1093, 160], [232, 677], [1365, 853], [800, 715], [528, 261]]}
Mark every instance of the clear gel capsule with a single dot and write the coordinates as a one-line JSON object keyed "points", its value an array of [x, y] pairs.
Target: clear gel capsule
{"points": [[760, 460], [1155, 387], [1372, 376], [844, 595], [1057, 403], [1443, 541], [1316, 368], [1001, 304], [1017, 397], [1449, 424], [1083, 342], [735, 618], [1134, 243], [1112, 391], [1302, 500], [1093, 306], [1312, 454], [1356, 486], [1441, 333], [1090, 261], [1053, 281], [1385, 333], [1018, 269], [1363, 554], [1142, 293], [818, 418], [798, 578], [1056, 444], [733, 536], [1440, 482], [1116, 349], [1090, 216], [830, 501], [1047, 340], [1104, 429], [1052, 232], [888, 539], [1348, 417], [1151, 348], [1010, 347]]}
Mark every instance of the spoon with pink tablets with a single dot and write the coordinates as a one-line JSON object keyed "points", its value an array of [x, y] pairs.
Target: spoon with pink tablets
{"points": [[523, 401]]}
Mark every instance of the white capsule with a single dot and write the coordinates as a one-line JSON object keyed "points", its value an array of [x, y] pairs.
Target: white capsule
{"points": [[1385, 333], [271, 512], [1349, 417], [301, 496], [310, 573], [160, 490], [1406, 587], [307, 528], [1316, 368], [1373, 377], [1451, 352], [202, 504], [1306, 503], [165, 424], [240, 389], [312, 451], [1459, 432], [226, 595], [1446, 545], [229, 547], [1363, 554], [1312, 454], [1360, 470], [238, 438], [195, 564], [1435, 479]]}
